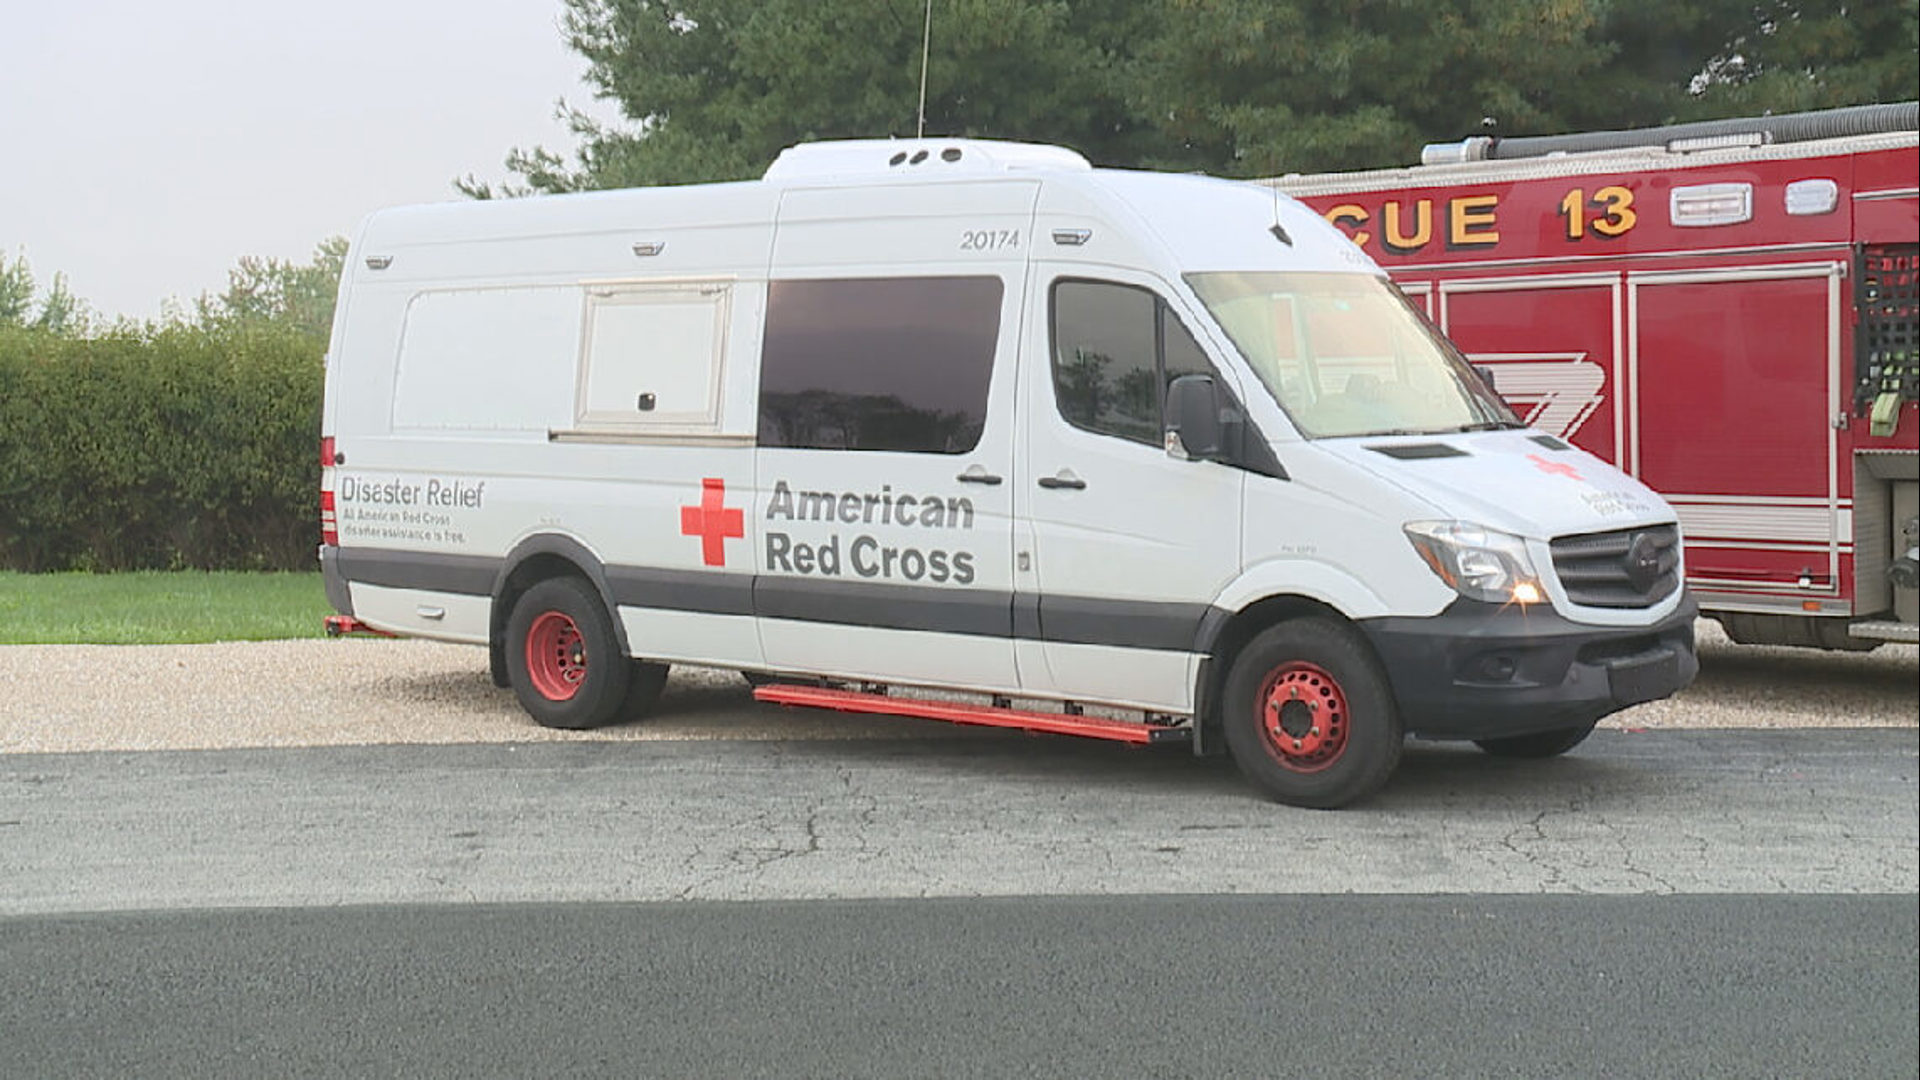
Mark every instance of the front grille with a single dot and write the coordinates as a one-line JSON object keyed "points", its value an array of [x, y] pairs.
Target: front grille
{"points": [[1631, 568]]}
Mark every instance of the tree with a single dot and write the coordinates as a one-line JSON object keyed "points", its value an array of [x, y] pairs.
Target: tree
{"points": [[297, 296], [1793, 55], [16, 290], [713, 89], [1710, 59], [60, 312], [1255, 88]]}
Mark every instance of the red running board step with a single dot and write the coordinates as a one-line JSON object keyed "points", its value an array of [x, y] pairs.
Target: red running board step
{"points": [[962, 713], [342, 625]]}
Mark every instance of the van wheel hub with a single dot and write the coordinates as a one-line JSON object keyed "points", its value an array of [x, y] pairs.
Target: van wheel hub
{"points": [[1303, 716], [556, 656]]}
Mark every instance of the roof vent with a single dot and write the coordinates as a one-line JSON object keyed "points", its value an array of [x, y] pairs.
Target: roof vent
{"points": [[917, 157]]}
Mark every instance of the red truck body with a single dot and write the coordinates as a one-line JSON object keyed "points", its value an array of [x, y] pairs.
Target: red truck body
{"points": [[1734, 325]]}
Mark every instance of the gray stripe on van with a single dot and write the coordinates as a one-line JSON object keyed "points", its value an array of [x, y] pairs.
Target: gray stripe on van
{"points": [[980, 612], [1079, 620], [1138, 624], [703, 591], [472, 575]]}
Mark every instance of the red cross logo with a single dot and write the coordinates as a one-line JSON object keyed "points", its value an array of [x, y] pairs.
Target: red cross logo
{"points": [[1554, 467], [712, 522]]}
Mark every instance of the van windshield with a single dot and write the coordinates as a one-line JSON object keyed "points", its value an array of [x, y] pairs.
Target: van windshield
{"points": [[1348, 354]]}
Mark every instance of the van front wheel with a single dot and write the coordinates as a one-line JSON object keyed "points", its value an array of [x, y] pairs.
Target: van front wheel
{"points": [[1309, 715], [563, 659]]}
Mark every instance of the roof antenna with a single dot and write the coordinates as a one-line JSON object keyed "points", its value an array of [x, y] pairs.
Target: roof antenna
{"points": [[926, 43]]}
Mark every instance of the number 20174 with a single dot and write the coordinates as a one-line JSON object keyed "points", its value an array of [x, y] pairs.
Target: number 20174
{"points": [[989, 239]]}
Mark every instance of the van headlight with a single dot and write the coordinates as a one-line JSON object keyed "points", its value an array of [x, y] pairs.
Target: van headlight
{"points": [[1479, 563]]}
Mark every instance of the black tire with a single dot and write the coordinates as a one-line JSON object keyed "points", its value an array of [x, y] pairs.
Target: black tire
{"points": [[497, 666], [1309, 715], [1541, 744], [563, 657]]}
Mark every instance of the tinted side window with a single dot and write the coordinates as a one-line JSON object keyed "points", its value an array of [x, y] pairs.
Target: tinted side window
{"points": [[1115, 349], [1180, 354], [1103, 359], [878, 363]]}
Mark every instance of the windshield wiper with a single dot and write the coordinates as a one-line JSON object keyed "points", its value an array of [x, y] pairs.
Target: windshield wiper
{"points": [[1491, 425]]}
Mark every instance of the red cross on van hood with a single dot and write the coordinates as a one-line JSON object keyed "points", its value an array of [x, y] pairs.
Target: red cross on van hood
{"points": [[1509, 480]]}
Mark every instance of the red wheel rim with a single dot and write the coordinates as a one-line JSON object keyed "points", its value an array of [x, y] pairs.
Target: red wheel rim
{"points": [[1303, 716], [556, 656]]}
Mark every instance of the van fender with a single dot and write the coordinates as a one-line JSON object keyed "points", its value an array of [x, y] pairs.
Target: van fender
{"points": [[543, 547], [1310, 579], [1279, 589]]}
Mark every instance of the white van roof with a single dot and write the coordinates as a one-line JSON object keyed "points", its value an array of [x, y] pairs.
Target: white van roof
{"points": [[1198, 221], [894, 159]]}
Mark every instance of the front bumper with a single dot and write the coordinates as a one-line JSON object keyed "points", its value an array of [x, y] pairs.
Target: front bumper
{"points": [[1479, 671]]}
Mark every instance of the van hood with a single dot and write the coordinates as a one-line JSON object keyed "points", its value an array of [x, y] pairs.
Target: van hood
{"points": [[1523, 482]]}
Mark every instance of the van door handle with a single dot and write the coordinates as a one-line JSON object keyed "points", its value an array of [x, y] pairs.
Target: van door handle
{"points": [[1063, 479], [977, 475]]}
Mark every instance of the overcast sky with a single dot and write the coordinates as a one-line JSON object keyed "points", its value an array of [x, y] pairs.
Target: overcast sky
{"points": [[145, 146]]}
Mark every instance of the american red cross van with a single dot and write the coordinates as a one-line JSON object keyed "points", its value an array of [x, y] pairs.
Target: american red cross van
{"points": [[946, 427]]}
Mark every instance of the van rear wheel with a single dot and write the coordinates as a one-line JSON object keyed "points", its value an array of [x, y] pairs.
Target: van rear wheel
{"points": [[1309, 715], [563, 658]]}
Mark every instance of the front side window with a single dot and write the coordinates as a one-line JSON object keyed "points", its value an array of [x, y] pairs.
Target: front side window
{"points": [[900, 364], [1347, 354], [1115, 349]]}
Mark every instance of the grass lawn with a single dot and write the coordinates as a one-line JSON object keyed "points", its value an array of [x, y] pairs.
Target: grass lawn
{"points": [[156, 608]]}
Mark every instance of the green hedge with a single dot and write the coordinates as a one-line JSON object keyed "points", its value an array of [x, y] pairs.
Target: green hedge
{"points": [[159, 448]]}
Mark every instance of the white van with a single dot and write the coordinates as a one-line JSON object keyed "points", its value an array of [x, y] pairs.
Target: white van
{"points": [[906, 418]]}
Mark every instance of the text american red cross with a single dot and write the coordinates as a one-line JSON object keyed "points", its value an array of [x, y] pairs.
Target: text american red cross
{"points": [[712, 521]]}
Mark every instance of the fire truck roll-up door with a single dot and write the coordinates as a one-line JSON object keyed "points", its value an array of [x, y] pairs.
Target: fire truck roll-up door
{"points": [[1766, 524]]}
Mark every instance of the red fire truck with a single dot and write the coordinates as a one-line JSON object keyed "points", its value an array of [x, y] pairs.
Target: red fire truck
{"points": [[1726, 310]]}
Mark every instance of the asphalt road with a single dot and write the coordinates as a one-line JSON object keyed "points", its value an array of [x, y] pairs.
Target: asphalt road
{"points": [[1172, 986], [1651, 812], [1659, 903]]}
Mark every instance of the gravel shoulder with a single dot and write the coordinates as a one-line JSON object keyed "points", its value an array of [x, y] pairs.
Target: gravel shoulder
{"points": [[74, 698]]}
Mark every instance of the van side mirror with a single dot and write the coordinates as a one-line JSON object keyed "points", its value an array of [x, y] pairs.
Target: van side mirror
{"points": [[1193, 419]]}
